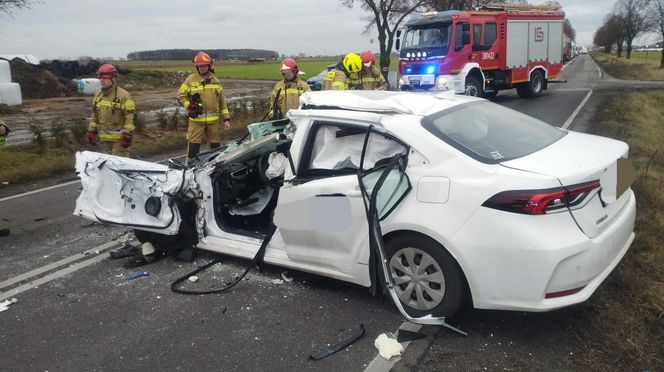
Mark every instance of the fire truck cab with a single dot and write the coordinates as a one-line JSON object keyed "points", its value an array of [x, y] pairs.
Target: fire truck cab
{"points": [[479, 53]]}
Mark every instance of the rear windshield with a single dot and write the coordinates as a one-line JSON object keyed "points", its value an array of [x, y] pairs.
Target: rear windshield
{"points": [[491, 133]]}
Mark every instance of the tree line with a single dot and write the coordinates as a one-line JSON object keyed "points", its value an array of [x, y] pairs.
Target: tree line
{"points": [[187, 54], [628, 20]]}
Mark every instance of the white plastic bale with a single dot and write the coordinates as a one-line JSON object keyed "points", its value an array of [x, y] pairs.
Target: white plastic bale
{"points": [[90, 86], [10, 94], [5, 72]]}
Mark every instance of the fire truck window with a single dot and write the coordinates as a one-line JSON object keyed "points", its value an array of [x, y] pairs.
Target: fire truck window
{"points": [[458, 36], [477, 35], [490, 31]]}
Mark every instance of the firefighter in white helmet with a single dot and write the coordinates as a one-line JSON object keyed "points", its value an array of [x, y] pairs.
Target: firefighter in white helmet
{"points": [[286, 93]]}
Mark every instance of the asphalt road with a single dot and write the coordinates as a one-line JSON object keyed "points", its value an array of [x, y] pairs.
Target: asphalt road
{"points": [[78, 311]]}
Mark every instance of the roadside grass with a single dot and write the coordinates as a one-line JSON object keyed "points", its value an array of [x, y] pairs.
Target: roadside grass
{"points": [[268, 70], [642, 65], [46, 158], [624, 327]]}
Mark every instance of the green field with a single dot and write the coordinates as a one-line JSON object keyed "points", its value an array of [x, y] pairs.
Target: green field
{"points": [[641, 65], [268, 70]]}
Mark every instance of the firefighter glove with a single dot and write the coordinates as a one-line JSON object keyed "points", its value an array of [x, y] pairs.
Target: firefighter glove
{"points": [[125, 141], [92, 137]]}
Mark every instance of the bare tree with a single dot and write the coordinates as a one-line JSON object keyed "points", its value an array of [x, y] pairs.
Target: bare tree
{"points": [[634, 14], [658, 22], [7, 5], [387, 16]]}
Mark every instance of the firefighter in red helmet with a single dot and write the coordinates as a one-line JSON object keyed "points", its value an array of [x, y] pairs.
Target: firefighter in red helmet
{"points": [[370, 77], [112, 121], [203, 97], [286, 93]]}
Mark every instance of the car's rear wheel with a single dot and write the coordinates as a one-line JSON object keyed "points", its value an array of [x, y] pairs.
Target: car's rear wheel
{"points": [[426, 277]]}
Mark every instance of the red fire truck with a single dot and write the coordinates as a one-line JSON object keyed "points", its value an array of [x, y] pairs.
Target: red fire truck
{"points": [[481, 52]]}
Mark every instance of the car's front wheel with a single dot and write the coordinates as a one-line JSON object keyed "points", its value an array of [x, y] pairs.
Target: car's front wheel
{"points": [[426, 277]]}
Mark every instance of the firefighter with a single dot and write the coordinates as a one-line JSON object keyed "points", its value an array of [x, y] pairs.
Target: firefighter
{"points": [[203, 97], [286, 93], [112, 120], [4, 132], [370, 77], [345, 75]]}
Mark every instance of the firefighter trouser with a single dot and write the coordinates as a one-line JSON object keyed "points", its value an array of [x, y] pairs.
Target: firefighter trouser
{"points": [[204, 132], [113, 148]]}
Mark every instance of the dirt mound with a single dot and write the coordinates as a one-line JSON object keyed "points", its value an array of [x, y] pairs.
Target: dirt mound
{"points": [[39, 83]]}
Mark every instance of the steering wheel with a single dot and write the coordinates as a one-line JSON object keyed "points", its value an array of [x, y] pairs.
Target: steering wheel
{"points": [[262, 164]]}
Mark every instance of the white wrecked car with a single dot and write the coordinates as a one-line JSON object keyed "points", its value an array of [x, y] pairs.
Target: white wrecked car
{"points": [[471, 199]]}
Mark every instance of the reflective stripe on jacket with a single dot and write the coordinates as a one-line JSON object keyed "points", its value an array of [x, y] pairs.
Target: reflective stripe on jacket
{"points": [[212, 97], [112, 114], [335, 80], [287, 95], [371, 79]]}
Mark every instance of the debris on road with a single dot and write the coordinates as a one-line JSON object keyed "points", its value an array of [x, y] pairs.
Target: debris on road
{"points": [[388, 346], [4, 305], [277, 281], [126, 250], [138, 275], [193, 279], [324, 353], [285, 278]]}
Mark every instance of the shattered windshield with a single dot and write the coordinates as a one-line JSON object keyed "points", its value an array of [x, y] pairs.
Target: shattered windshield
{"points": [[433, 38]]}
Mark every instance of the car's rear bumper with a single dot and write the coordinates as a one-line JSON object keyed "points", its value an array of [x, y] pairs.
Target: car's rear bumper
{"points": [[516, 266]]}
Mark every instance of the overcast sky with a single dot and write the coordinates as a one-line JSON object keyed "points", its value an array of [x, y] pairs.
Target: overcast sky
{"points": [[73, 28]]}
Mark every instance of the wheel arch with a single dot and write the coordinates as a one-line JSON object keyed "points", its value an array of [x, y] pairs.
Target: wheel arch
{"points": [[401, 232], [473, 69]]}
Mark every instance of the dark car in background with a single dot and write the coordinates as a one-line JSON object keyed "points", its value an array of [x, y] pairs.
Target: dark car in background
{"points": [[315, 81]]}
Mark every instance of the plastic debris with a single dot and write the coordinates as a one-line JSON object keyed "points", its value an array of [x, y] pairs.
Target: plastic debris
{"points": [[147, 248], [277, 281], [323, 353], [4, 305], [388, 346], [193, 279], [137, 275], [285, 278]]}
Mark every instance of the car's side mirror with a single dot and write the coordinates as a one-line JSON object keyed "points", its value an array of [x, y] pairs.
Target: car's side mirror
{"points": [[397, 44]]}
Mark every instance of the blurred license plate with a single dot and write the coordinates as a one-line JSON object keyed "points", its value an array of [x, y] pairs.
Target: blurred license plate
{"points": [[415, 80]]}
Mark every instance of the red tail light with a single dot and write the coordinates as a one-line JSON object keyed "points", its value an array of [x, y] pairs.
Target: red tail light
{"points": [[541, 201]]}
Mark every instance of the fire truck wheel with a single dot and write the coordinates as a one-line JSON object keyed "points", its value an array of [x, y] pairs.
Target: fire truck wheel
{"points": [[536, 84], [522, 90], [491, 95], [473, 87]]}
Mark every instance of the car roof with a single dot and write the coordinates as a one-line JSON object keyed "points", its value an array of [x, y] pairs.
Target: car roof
{"points": [[383, 102]]}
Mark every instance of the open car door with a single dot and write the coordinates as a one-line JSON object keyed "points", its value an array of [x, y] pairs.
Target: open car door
{"points": [[129, 192], [383, 188]]}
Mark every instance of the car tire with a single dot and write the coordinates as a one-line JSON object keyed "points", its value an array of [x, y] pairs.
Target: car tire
{"points": [[536, 84], [442, 295], [473, 87]]}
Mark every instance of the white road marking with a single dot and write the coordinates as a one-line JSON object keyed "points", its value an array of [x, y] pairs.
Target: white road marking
{"points": [[53, 265], [380, 364], [576, 112], [62, 272], [39, 190]]}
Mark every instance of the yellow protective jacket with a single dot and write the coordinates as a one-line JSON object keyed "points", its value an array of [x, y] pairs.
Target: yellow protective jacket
{"points": [[371, 79], [112, 114], [335, 80], [287, 96], [212, 97]]}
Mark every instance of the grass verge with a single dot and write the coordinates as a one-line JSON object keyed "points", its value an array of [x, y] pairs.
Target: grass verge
{"points": [[623, 328], [35, 161], [641, 66]]}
